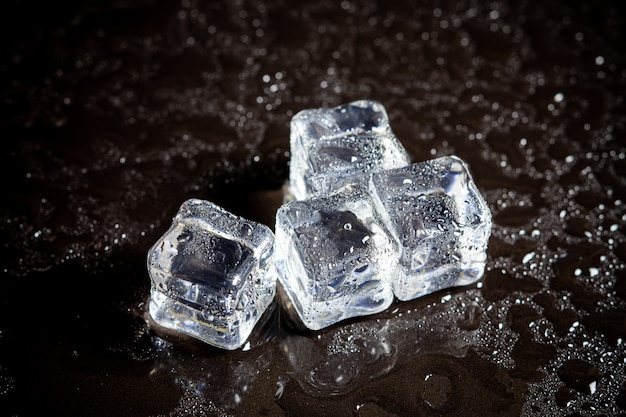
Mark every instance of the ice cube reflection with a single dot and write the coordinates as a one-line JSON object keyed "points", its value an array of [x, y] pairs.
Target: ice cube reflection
{"points": [[225, 382], [342, 359]]}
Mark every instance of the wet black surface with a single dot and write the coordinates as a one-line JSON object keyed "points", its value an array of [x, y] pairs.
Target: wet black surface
{"points": [[114, 113]]}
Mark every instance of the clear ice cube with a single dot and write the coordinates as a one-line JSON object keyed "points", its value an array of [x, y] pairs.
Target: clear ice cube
{"points": [[440, 221], [333, 257], [333, 147], [212, 274]]}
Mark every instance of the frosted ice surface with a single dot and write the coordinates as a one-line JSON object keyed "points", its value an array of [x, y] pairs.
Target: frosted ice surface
{"points": [[333, 256], [333, 147], [441, 222], [212, 274]]}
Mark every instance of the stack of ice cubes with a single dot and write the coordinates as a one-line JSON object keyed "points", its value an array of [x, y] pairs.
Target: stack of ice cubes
{"points": [[352, 178], [363, 226]]}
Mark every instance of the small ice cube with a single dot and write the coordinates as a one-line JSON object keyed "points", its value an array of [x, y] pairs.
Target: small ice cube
{"points": [[334, 257], [441, 222], [212, 274], [333, 147]]}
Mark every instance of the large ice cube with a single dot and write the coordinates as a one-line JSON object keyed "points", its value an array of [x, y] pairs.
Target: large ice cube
{"points": [[212, 274], [334, 257], [437, 215], [332, 147]]}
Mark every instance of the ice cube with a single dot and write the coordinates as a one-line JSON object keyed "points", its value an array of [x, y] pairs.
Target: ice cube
{"points": [[334, 257], [212, 274], [441, 222], [333, 147]]}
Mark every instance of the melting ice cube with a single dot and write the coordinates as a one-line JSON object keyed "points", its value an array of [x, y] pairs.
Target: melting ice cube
{"points": [[440, 221], [212, 274], [333, 147], [333, 256]]}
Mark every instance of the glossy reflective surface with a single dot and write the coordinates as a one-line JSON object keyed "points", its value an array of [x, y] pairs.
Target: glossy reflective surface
{"points": [[113, 114]]}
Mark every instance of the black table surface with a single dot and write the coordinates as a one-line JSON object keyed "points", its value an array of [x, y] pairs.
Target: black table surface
{"points": [[114, 113]]}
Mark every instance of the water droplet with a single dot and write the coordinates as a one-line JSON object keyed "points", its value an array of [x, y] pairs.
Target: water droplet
{"points": [[528, 257], [436, 390], [246, 229]]}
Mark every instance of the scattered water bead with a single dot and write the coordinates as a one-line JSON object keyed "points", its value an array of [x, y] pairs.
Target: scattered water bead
{"points": [[440, 221], [212, 274], [333, 147], [333, 256], [436, 390]]}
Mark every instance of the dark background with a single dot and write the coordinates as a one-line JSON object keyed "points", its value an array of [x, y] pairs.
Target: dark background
{"points": [[113, 113]]}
